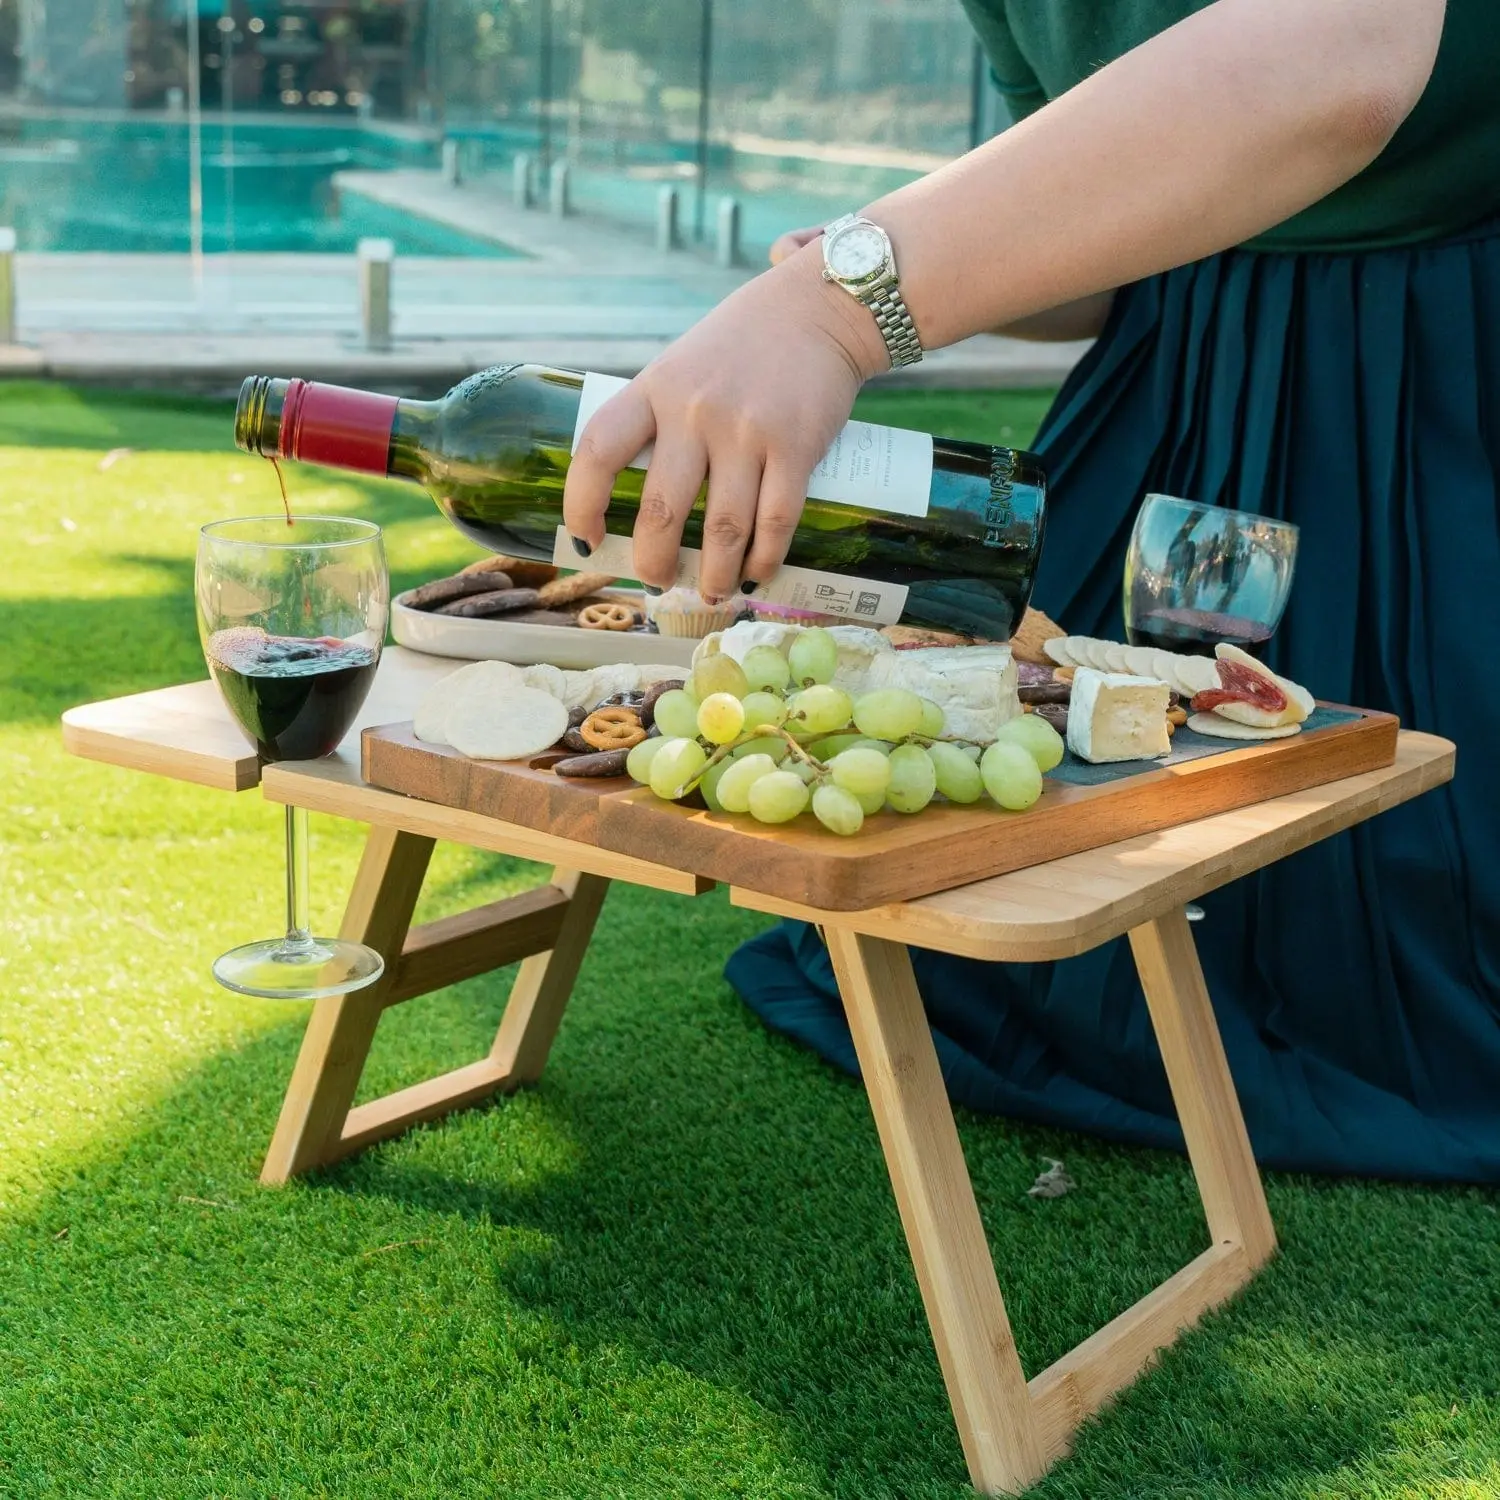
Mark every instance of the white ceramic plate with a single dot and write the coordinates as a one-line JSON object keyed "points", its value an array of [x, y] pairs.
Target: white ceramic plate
{"points": [[566, 646]]}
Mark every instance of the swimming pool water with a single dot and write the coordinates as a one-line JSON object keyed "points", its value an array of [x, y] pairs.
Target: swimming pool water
{"points": [[72, 184]]}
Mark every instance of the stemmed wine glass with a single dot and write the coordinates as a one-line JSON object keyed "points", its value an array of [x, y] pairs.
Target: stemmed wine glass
{"points": [[1196, 575], [292, 617]]}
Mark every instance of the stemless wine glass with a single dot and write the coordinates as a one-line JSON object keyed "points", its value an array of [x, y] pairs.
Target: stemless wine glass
{"points": [[1196, 575], [292, 617]]}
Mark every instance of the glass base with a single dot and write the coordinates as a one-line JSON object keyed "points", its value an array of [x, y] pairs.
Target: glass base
{"points": [[279, 969]]}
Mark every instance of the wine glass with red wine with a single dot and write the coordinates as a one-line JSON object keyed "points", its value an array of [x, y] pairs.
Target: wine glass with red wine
{"points": [[1197, 575], [292, 616]]}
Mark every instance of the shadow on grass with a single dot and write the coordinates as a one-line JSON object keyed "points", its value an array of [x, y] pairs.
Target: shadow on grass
{"points": [[680, 1249], [66, 650]]}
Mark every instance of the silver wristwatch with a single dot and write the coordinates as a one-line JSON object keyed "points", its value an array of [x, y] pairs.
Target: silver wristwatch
{"points": [[858, 256]]}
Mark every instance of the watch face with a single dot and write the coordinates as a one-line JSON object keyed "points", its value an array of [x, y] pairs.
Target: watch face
{"points": [[856, 253]]}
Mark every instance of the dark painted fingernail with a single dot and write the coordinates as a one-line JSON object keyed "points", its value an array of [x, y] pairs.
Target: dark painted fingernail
{"points": [[712, 600], [652, 589], [580, 546], [749, 586]]}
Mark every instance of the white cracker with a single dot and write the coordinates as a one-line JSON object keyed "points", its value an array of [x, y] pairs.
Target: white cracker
{"points": [[1196, 674], [521, 723], [1299, 701], [1117, 658], [545, 678], [1164, 667], [478, 679], [1217, 727], [1256, 716], [1057, 651], [1093, 653]]}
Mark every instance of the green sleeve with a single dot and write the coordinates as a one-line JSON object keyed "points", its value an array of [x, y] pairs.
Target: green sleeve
{"points": [[1013, 75]]}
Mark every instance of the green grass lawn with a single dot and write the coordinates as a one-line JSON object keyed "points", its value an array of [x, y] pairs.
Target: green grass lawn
{"points": [[672, 1269]]}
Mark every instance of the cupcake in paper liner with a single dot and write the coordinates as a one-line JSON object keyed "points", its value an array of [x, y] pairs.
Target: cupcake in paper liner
{"points": [[686, 614]]}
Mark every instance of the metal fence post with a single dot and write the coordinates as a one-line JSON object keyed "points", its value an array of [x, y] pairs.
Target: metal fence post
{"points": [[7, 286], [559, 183], [452, 163], [522, 181], [727, 239], [376, 258], [668, 236]]}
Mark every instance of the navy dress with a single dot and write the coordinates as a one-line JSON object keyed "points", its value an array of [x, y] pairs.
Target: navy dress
{"points": [[1357, 983]]}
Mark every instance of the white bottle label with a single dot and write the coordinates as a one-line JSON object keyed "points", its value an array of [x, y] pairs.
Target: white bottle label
{"points": [[857, 601], [877, 468]]}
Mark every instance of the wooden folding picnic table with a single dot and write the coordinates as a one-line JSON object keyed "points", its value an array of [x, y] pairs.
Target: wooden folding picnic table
{"points": [[1011, 1430]]}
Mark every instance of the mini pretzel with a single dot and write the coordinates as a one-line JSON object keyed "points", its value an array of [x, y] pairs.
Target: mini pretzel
{"points": [[612, 729], [607, 617]]}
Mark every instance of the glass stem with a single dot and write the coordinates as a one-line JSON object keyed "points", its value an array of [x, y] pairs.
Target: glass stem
{"points": [[297, 934]]}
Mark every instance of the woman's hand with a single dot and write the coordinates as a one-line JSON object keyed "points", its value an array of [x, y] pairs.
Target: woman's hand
{"points": [[750, 398], [792, 241]]}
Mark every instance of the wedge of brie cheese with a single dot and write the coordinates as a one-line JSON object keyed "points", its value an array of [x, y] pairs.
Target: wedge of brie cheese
{"points": [[1114, 717], [857, 646], [975, 686]]}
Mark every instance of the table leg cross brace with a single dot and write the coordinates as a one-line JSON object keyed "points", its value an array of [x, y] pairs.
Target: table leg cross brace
{"points": [[549, 928]]}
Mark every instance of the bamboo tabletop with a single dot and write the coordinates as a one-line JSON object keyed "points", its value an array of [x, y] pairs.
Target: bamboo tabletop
{"points": [[1048, 911]]}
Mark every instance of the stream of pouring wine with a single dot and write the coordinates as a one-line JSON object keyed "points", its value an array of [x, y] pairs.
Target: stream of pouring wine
{"points": [[286, 504]]}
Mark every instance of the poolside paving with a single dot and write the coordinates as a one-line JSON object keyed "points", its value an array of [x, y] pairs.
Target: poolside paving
{"points": [[586, 294]]}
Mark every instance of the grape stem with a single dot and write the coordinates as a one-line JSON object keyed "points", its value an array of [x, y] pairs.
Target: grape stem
{"points": [[760, 732]]}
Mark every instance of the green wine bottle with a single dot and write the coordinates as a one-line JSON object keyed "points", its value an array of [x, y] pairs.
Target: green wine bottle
{"points": [[897, 524]]}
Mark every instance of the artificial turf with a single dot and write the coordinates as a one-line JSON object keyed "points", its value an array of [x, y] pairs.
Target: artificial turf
{"points": [[674, 1268]]}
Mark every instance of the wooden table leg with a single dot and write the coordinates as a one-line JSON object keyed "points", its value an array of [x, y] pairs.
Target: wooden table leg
{"points": [[547, 928], [936, 1198], [546, 980], [1012, 1430], [341, 1028], [1207, 1105]]}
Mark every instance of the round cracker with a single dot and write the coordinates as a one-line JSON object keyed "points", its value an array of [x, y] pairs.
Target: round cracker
{"points": [[1196, 674], [1164, 667], [1086, 651], [1117, 657], [546, 678], [1216, 727], [1299, 702], [1255, 716], [1057, 651], [429, 723], [510, 726]]}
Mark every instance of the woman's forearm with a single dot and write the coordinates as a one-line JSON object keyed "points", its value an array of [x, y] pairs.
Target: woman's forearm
{"points": [[1225, 124], [1081, 319]]}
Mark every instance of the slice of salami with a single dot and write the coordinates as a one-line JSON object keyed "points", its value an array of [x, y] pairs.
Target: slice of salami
{"points": [[1241, 684]]}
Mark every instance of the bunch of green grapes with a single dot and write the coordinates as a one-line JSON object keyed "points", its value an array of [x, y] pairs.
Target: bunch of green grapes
{"points": [[773, 736]]}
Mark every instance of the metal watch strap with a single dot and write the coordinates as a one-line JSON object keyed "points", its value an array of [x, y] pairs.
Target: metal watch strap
{"points": [[895, 325]]}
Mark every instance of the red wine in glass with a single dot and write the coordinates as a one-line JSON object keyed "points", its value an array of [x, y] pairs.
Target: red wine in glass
{"points": [[292, 612], [1196, 632], [295, 698]]}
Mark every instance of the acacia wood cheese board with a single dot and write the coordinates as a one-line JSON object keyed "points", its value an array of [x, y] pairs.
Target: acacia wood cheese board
{"points": [[894, 857]]}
